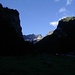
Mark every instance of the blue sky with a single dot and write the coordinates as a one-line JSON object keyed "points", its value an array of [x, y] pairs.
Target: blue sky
{"points": [[40, 16]]}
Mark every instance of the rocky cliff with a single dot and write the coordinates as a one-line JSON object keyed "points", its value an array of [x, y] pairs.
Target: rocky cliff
{"points": [[11, 38], [11, 18], [66, 30], [62, 40]]}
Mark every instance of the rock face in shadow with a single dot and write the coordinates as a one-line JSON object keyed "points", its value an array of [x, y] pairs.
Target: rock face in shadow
{"points": [[67, 27], [62, 40], [11, 38]]}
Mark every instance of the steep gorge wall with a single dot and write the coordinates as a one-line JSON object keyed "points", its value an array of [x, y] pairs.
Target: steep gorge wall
{"points": [[10, 17], [62, 40], [11, 38]]}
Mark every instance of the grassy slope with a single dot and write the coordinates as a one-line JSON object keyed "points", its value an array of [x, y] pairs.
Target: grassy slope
{"points": [[38, 65]]}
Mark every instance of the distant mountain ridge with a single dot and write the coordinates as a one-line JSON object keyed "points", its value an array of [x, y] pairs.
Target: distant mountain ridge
{"points": [[50, 33], [32, 37], [35, 38]]}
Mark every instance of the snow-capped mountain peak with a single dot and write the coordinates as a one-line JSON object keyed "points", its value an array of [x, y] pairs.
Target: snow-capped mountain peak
{"points": [[33, 37]]}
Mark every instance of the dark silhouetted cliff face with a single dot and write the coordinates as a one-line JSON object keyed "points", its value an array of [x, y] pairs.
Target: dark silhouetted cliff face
{"points": [[10, 17], [67, 33], [11, 39], [62, 40]]}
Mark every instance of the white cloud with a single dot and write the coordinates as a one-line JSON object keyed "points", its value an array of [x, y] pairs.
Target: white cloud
{"points": [[56, 0], [54, 23], [63, 9], [69, 2]]}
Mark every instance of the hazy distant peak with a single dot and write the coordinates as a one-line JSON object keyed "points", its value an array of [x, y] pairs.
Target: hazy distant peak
{"points": [[33, 37], [50, 32]]}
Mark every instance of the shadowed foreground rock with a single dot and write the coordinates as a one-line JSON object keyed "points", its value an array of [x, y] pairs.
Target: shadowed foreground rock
{"points": [[11, 38], [62, 40]]}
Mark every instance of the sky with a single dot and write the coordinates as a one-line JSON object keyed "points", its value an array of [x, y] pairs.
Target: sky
{"points": [[40, 16]]}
